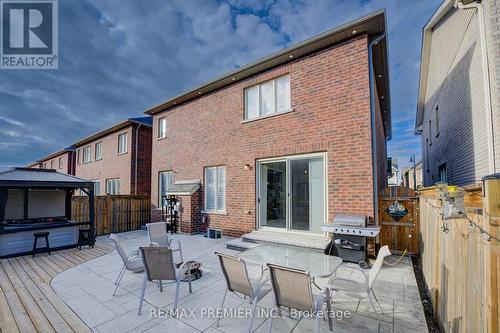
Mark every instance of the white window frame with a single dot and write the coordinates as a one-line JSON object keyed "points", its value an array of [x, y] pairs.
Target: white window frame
{"points": [[87, 158], [160, 192], [60, 163], [275, 91], [220, 210], [52, 164], [98, 156], [125, 145], [162, 128], [108, 181], [97, 190]]}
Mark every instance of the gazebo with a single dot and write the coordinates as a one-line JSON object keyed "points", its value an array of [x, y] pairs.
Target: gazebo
{"points": [[35, 200]]}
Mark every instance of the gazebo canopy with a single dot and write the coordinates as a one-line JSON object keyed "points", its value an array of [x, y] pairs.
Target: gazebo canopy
{"points": [[40, 178]]}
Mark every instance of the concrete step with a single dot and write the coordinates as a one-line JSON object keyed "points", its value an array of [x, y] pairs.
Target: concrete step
{"points": [[312, 241], [239, 244]]}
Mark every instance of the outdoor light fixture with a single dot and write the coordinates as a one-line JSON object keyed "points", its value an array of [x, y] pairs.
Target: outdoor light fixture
{"points": [[290, 56], [247, 166], [199, 92], [354, 32], [233, 78]]}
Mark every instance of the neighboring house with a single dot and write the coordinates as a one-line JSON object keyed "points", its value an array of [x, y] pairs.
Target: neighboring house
{"points": [[117, 159], [63, 161], [459, 91], [407, 176], [394, 174], [283, 143]]}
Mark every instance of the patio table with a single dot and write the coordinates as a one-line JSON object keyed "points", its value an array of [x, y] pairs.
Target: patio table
{"points": [[318, 265]]}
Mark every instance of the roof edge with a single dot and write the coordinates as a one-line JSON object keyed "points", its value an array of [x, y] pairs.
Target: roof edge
{"points": [[239, 74], [109, 130]]}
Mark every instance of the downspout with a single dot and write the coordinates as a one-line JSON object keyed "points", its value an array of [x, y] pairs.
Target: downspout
{"points": [[136, 158], [486, 81], [371, 76]]}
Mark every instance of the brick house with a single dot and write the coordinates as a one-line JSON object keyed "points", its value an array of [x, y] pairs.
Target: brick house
{"points": [[63, 161], [458, 105], [117, 159], [283, 143]]}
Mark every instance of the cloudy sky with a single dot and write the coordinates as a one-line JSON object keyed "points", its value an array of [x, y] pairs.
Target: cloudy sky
{"points": [[118, 58]]}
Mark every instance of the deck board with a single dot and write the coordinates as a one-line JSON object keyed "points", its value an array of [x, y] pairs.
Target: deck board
{"points": [[28, 303]]}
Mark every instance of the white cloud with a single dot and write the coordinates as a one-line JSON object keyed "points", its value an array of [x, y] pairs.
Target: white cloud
{"points": [[119, 58]]}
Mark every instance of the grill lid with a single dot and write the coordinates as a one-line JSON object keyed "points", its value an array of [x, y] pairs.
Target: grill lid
{"points": [[353, 220]]}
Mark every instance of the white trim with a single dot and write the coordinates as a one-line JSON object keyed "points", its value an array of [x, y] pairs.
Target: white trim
{"points": [[286, 159]]}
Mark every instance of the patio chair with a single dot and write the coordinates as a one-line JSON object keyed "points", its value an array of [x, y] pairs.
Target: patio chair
{"points": [[159, 265], [235, 273], [131, 262], [363, 289], [158, 236], [293, 289]]}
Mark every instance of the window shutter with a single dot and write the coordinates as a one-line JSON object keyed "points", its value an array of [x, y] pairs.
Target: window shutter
{"points": [[210, 175], [221, 188]]}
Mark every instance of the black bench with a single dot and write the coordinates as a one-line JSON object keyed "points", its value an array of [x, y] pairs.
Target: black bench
{"points": [[37, 235]]}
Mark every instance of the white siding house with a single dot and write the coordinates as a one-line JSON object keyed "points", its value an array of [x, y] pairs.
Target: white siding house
{"points": [[457, 115]]}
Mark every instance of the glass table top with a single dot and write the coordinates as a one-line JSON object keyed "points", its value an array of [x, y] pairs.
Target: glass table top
{"points": [[314, 262]]}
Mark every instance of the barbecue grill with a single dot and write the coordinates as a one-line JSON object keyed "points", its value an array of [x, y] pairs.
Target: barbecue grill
{"points": [[349, 236]]}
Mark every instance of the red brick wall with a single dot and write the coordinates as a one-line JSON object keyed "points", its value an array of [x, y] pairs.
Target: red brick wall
{"points": [[143, 160], [67, 167], [112, 164], [331, 100]]}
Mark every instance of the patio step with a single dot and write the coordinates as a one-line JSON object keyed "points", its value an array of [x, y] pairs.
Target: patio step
{"points": [[239, 244], [315, 242]]}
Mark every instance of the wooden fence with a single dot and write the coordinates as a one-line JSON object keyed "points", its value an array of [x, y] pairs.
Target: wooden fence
{"points": [[113, 213], [461, 269], [399, 232]]}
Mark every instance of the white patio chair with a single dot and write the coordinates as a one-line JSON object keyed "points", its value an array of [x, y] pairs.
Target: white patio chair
{"points": [[159, 265], [158, 236], [293, 289], [235, 273], [363, 289], [131, 262]]}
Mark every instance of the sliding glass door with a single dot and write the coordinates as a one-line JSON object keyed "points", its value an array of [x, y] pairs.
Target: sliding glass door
{"points": [[272, 212], [292, 193]]}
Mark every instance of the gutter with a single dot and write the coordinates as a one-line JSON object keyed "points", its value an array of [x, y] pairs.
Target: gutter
{"points": [[136, 154], [371, 75], [486, 80]]}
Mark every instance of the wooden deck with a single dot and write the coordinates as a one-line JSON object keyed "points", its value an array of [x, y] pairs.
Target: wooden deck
{"points": [[28, 303]]}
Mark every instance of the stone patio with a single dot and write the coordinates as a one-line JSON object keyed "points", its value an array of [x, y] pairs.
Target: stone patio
{"points": [[88, 287]]}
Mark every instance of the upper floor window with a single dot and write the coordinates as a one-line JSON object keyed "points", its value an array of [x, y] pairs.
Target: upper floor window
{"points": [[430, 132], [60, 162], [78, 156], [98, 151], [122, 143], [443, 174], [215, 189], [162, 128], [87, 155], [52, 164], [268, 98], [437, 121]]}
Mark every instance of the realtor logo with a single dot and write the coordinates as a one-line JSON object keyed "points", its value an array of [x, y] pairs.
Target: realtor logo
{"points": [[29, 34]]}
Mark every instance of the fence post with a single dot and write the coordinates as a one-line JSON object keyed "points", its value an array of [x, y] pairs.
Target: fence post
{"points": [[492, 258]]}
